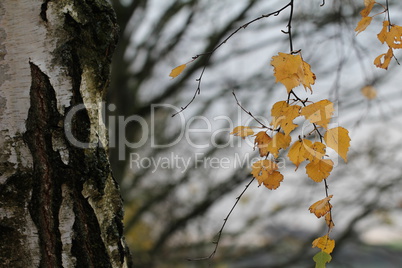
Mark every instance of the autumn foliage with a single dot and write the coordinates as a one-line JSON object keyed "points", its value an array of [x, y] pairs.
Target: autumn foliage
{"points": [[390, 34], [292, 71], [279, 138]]}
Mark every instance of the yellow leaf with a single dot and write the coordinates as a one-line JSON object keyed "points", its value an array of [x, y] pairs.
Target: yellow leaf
{"points": [[297, 153], [319, 113], [263, 165], [369, 92], [394, 37], [273, 180], [307, 77], [324, 243], [338, 139], [387, 59], [262, 140], [291, 71], [362, 25], [369, 6], [279, 141], [319, 169], [176, 71], [382, 36], [277, 112], [328, 220], [319, 147], [267, 145], [285, 69], [283, 115], [242, 132], [391, 34], [321, 207], [368, 2], [314, 151], [265, 173]]}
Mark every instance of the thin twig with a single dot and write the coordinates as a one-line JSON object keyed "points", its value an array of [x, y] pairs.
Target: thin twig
{"points": [[331, 222], [209, 54], [198, 90], [249, 113], [216, 242], [290, 26], [321, 138], [389, 17], [304, 105]]}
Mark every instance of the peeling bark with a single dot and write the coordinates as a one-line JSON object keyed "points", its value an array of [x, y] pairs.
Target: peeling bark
{"points": [[59, 203]]}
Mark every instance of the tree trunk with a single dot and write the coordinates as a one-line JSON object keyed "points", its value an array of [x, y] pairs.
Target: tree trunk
{"points": [[59, 203]]}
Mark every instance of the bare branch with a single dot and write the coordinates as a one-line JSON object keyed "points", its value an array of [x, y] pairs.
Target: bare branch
{"points": [[248, 112], [244, 26], [223, 226]]}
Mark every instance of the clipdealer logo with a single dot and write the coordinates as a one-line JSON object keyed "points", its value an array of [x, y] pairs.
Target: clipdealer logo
{"points": [[187, 130], [117, 126]]}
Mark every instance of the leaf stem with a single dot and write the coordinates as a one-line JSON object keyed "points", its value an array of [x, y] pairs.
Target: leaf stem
{"points": [[389, 17], [290, 26], [249, 113]]}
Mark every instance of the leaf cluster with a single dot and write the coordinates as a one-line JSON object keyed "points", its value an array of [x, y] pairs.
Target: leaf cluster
{"points": [[390, 34], [292, 71]]}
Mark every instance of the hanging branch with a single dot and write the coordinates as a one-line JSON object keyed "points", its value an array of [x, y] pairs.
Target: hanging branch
{"points": [[248, 112], [198, 90], [291, 70], [216, 242], [209, 54], [387, 8], [289, 26]]}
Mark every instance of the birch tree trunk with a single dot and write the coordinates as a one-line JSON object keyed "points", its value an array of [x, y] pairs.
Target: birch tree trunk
{"points": [[59, 203]]}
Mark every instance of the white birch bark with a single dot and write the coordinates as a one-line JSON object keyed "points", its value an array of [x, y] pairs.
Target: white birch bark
{"points": [[59, 204]]}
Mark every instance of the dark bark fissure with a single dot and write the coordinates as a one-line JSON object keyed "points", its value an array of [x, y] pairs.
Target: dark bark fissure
{"points": [[42, 120], [88, 45], [43, 8], [91, 47], [50, 173], [88, 247]]}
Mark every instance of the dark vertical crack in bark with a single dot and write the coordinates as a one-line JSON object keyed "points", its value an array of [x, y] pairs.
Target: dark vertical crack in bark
{"points": [[43, 10], [88, 247], [42, 118], [50, 173], [93, 167], [92, 33]]}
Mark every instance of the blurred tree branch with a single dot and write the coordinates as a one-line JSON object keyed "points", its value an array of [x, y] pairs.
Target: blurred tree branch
{"points": [[137, 84]]}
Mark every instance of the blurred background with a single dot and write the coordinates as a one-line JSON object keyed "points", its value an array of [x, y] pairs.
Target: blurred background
{"points": [[180, 176]]}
